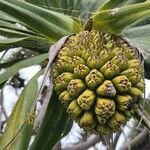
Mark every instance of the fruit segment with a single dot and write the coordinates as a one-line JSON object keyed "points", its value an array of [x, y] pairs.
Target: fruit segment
{"points": [[99, 80]]}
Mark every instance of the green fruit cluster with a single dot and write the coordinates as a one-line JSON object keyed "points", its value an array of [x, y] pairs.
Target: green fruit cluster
{"points": [[99, 80]]}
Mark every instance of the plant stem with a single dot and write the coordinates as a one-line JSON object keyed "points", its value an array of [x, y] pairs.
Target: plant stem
{"points": [[144, 118]]}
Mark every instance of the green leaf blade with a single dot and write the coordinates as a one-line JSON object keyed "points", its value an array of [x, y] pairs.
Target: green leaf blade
{"points": [[139, 36], [112, 4], [115, 20], [9, 72], [50, 24], [18, 131], [118, 3]]}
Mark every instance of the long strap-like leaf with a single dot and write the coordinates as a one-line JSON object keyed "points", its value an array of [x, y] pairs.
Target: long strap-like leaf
{"points": [[11, 71], [118, 3], [50, 24], [19, 128], [115, 20]]}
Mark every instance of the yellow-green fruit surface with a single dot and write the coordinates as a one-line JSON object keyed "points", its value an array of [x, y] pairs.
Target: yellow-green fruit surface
{"points": [[99, 80]]}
